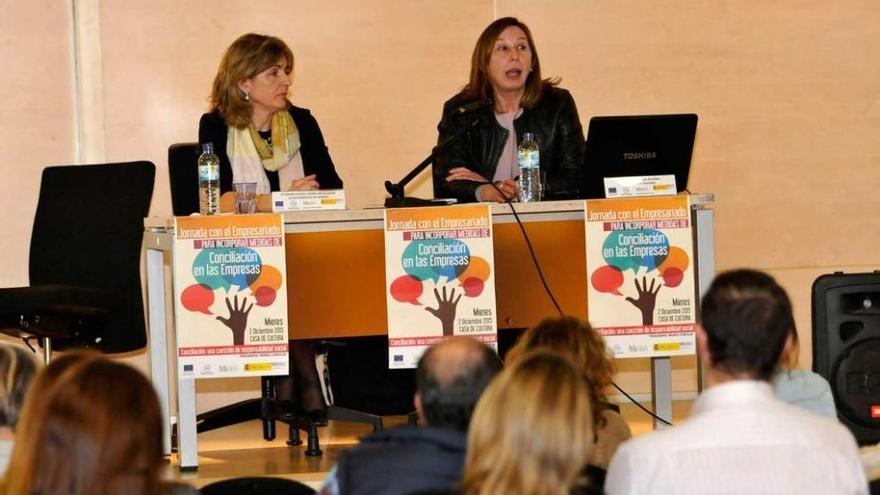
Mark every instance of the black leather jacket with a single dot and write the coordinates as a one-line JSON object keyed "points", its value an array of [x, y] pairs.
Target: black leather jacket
{"points": [[554, 122]]}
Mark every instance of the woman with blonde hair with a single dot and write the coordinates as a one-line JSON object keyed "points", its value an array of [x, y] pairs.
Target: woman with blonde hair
{"points": [[259, 136], [531, 432], [91, 427], [576, 340], [257, 133]]}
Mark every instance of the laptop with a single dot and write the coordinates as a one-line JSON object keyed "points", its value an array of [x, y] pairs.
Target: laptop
{"points": [[638, 145]]}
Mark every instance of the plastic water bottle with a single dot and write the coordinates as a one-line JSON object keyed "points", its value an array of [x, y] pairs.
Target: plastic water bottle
{"points": [[209, 181], [530, 187]]}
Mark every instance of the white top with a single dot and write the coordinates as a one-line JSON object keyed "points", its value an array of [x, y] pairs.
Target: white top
{"points": [[741, 440], [5, 455], [805, 389]]}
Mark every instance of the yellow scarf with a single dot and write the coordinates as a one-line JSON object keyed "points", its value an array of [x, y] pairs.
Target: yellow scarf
{"points": [[285, 142]]}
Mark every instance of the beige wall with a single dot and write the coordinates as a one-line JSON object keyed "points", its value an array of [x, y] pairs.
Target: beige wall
{"points": [[37, 121], [788, 95]]}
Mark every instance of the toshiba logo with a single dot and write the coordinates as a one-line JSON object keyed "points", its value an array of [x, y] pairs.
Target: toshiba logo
{"points": [[643, 155]]}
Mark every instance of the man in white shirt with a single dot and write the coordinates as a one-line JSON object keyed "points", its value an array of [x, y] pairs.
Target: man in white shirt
{"points": [[739, 438]]}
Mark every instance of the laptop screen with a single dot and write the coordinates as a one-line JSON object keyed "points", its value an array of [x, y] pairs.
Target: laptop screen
{"points": [[638, 145]]}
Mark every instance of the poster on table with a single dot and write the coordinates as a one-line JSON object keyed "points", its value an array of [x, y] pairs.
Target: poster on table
{"points": [[230, 296], [439, 273], [640, 266]]}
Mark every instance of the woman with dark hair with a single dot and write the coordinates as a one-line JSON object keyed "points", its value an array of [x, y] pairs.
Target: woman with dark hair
{"points": [[504, 98], [261, 137], [92, 427], [257, 133]]}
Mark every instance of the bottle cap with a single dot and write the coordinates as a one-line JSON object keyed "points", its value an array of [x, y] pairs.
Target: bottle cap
{"points": [[208, 148]]}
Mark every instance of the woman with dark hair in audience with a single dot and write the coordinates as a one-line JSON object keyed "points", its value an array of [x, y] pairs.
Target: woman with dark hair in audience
{"points": [[17, 369], [504, 98], [261, 137], [576, 340], [90, 426], [531, 433]]}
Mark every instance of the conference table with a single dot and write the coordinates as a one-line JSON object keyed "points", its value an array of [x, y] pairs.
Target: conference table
{"points": [[336, 285]]}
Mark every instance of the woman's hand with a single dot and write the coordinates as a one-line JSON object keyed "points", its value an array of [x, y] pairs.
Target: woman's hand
{"points": [[307, 183], [507, 191], [462, 173]]}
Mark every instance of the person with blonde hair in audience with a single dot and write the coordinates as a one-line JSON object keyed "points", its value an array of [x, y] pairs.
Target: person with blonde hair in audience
{"points": [[531, 433], [90, 426], [17, 368], [739, 437], [576, 340]]}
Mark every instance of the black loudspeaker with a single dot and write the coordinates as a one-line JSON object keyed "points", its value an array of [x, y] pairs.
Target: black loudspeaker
{"points": [[846, 347]]}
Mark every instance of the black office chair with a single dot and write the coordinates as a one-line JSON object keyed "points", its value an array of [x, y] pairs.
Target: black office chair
{"points": [[183, 176], [85, 260], [257, 486]]}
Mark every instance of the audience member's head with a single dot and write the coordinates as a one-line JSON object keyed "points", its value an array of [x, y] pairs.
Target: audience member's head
{"points": [[92, 426], [450, 379], [576, 340], [531, 432], [746, 323], [17, 368]]}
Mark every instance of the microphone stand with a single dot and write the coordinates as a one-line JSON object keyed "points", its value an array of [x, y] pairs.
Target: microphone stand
{"points": [[398, 198]]}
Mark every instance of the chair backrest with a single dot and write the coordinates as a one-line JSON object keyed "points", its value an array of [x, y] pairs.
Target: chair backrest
{"points": [[183, 175], [88, 232], [257, 486]]}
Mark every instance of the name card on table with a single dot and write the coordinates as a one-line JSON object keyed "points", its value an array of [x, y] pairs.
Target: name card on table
{"points": [[647, 185], [322, 199]]}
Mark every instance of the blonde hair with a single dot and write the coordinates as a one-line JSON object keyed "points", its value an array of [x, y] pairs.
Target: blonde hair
{"points": [[576, 340], [93, 428], [17, 369], [246, 57], [531, 431]]}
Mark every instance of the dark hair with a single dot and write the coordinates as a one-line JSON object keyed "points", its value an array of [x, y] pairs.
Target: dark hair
{"points": [[450, 379], [246, 57], [478, 85], [747, 318]]}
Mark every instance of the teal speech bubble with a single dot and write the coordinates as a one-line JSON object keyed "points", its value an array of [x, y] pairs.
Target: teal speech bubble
{"points": [[435, 258], [224, 267], [633, 249]]}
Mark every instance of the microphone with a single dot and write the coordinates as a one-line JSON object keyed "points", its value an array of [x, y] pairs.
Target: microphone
{"points": [[398, 199]]}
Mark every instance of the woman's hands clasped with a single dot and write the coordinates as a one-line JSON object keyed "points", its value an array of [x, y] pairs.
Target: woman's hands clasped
{"points": [[307, 183], [506, 189]]}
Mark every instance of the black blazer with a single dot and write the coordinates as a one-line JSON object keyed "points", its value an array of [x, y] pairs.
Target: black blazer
{"points": [[316, 159]]}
